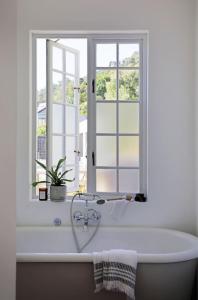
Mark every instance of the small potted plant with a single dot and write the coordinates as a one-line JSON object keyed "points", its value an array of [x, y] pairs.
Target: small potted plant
{"points": [[57, 180]]}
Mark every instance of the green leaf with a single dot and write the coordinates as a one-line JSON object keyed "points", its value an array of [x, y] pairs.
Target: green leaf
{"points": [[42, 165], [60, 162], [65, 173], [69, 180], [34, 184]]}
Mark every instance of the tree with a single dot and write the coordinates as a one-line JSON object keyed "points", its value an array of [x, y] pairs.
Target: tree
{"points": [[41, 130], [105, 85]]}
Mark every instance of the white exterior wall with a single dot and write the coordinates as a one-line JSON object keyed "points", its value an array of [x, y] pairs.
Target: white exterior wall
{"points": [[171, 131], [8, 95]]}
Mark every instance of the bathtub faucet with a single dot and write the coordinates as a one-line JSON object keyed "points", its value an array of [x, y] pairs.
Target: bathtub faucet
{"points": [[88, 217]]}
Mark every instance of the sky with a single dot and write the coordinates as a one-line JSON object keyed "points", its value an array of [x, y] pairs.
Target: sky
{"points": [[79, 44]]}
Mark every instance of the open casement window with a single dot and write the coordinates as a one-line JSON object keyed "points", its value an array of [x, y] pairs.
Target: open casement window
{"points": [[63, 109], [97, 117], [119, 146]]}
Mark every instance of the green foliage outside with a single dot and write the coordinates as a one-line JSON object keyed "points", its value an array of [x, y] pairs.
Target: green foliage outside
{"points": [[41, 130], [105, 86]]}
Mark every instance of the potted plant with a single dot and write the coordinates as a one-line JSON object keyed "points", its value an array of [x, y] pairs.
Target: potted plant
{"points": [[57, 180]]}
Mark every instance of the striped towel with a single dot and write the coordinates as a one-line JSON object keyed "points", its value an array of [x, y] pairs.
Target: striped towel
{"points": [[115, 270]]}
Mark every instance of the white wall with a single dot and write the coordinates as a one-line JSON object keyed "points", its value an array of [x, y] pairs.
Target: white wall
{"points": [[8, 88], [171, 157], [196, 107]]}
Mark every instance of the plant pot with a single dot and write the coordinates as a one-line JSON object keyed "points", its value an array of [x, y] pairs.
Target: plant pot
{"points": [[58, 192]]}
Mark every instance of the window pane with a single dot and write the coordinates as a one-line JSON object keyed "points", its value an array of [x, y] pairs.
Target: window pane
{"points": [[106, 118], [41, 121], [40, 144], [106, 150], [129, 118], [40, 175], [57, 93], [70, 63], [70, 147], [41, 70], [106, 85], [129, 181], [106, 55], [57, 58], [71, 186], [41, 148], [129, 84], [57, 118], [105, 180], [70, 120], [129, 151], [70, 89], [129, 55], [57, 149]]}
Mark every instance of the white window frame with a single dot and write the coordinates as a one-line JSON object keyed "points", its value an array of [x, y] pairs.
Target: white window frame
{"points": [[142, 38], [49, 104]]}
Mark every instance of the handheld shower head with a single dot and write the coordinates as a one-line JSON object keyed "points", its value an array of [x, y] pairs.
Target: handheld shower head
{"points": [[100, 201], [127, 197]]}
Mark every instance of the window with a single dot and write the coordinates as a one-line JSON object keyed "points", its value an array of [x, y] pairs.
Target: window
{"points": [[94, 115]]}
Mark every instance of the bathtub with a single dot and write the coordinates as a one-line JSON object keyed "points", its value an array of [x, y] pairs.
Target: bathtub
{"points": [[48, 266]]}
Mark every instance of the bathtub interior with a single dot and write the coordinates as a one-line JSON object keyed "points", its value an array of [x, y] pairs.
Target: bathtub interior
{"points": [[143, 240]]}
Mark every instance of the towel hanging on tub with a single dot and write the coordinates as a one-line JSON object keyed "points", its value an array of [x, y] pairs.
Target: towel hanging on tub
{"points": [[115, 270]]}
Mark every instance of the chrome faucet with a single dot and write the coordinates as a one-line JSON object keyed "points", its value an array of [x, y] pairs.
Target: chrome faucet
{"points": [[90, 216]]}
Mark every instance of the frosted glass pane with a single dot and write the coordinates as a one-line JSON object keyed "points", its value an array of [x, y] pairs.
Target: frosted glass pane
{"points": [[129, 85], [129, 118], [106, 150], [129, 181], [70, 63], [106, 118], [57, 88], [71, 186], [106, 85], [106, 55], [57, 118], [129, 55], [69, 89], [70, 120], [105, 180], [57, 149], [129, 151], [70, 147], [57, 58]]}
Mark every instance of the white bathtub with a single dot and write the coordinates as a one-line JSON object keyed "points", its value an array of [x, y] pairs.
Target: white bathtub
{"points": [[153, 245], [167, 262]]}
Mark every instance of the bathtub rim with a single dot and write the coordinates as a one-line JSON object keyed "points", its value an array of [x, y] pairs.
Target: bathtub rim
{"points": [[179, 256]]}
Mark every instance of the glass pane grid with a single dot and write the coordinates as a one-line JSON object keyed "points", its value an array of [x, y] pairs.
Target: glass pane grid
{"points": [[127, 92], [63, 73]]}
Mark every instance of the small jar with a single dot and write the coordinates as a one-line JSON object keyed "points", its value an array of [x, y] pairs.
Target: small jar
{"points": [[42, 194]]}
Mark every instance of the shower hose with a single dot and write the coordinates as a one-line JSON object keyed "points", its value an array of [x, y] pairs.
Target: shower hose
{"points": [[76, 241]]}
